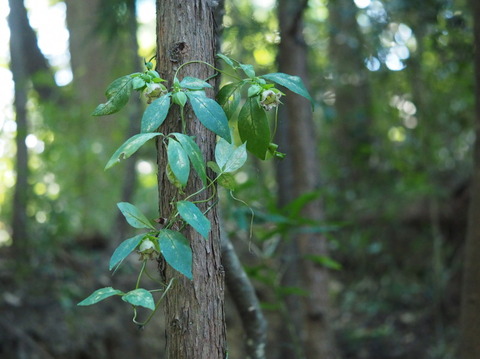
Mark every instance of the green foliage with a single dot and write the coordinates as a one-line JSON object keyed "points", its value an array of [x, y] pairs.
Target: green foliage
{"points": [[194, 154], [182, 151], [293, 83], [130, 147], [176, 250], [134, 217], [156, 113], [194, 217], [178, 161], [117, 93], [140, 297], [253, 128], [228, 157], [210, 114], [99, 295], [124, 249]]}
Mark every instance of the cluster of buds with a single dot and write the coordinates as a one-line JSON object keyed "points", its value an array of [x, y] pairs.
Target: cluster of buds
{"points": [[147, 250], [270, 99], [153, 91]]}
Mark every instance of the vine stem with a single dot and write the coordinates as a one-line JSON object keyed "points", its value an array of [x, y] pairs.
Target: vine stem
{"points": [[207, 64], [142, 324], [141, 273]]}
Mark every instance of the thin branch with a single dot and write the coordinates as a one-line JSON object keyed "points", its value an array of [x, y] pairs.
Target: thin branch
{"points": [[246, 301]]}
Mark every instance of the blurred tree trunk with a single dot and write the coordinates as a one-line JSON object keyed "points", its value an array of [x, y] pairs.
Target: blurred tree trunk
{"points": [[17, 21], [194, 314], [298, 174], [121, 227], [352, 93], [102, 48], [469, 343]]}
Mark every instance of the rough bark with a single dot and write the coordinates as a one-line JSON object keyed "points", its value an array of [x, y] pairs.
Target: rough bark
{"points": [[18, 64], [469, 345], [194, 311], [299, 174]]}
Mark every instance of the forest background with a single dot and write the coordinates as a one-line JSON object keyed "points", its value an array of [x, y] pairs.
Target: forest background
{"points": [[393, 84]]}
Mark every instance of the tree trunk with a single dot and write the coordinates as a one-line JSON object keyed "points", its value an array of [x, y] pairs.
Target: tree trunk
{"points": [[298, 174], [352, 93], [121, 227], [195, 325], [18, 64], [469, 343]]}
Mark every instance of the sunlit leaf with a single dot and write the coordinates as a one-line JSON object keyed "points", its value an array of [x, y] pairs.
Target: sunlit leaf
{"points": [[124, 249], [227, 60], [194, 217], [229, 157], [140, 297], [248, 69], [176, 251], [193, 83], [155, 114], [253, 128], [178, 161], [210, 114], [293, 83], [195, 155], [117, 93], [99, 295], [130, 147], [134, 217]]}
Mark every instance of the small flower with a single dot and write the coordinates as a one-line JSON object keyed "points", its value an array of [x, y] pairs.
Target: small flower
{"points": [[147, 250], [270, 99], [154, 91]]}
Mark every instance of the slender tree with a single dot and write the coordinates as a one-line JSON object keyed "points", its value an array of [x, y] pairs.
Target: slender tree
{"points": [[194, 313], [298, 175], [469, 345], [17, 20], [352, 93]]}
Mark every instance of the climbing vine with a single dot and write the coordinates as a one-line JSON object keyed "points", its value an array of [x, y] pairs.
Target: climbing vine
{"points": [[255, 136]]}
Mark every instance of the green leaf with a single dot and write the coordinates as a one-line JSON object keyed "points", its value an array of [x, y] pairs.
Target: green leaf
{"points": [[195, 155], [124, 249], [138, 83], [229, 157], [193, 83], [227, 60], [229, 98], [194, 217], [210, 114], [214, 167], [254, 90], [130, 147], [176, 251], [253, 128], [248, 69], [140, 297], [324, 261], [155, 114], [117, 93], [99, 295], [293, 83], [178, 161], [227, 181], [134, 217]]}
